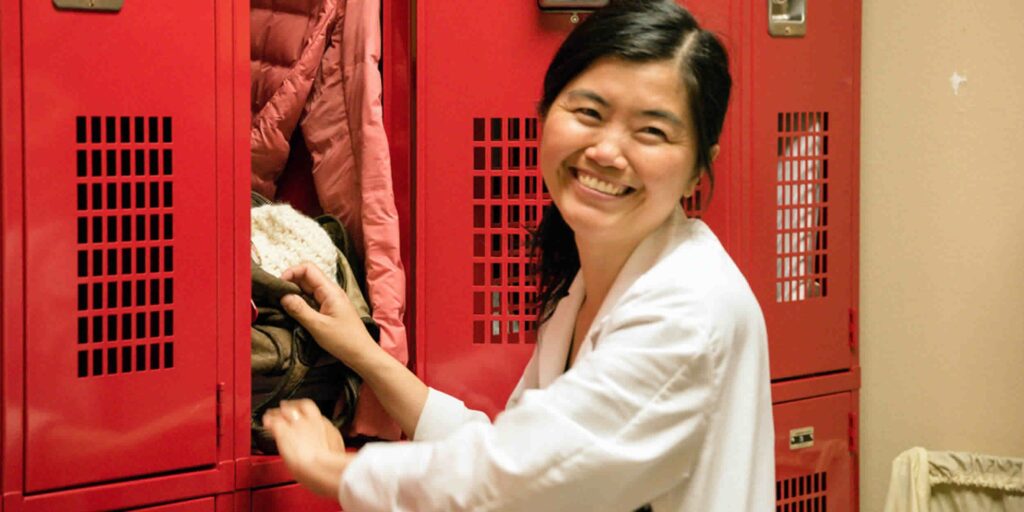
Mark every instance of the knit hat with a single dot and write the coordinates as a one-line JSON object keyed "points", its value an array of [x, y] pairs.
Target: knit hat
{"points": [[283, 238]]}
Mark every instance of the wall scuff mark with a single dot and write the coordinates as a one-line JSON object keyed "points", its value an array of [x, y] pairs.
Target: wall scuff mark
{"points": [[957, 80]]}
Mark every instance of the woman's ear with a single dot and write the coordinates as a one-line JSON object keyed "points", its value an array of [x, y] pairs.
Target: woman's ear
{"points": [[691, 186], [713, 153]]}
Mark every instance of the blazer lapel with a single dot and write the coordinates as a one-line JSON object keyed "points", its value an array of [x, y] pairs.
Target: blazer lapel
{"points": [[646, 254], [553, 343], [554, 338]]}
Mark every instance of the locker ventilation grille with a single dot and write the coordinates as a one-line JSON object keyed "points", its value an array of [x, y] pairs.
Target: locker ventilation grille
{"points": [[802, 494], [125, 216], [508, 198], [801, 236]]}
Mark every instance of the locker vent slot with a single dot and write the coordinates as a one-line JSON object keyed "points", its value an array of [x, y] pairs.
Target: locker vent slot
{"points": [[806, 493], [801, 215], [508, 199], [125, 247]]}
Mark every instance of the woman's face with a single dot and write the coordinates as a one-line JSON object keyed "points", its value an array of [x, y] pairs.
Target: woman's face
{"points": [[618, 150]]}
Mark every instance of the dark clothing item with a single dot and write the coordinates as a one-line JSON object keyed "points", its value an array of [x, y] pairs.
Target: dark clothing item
{"points": [[287, 363]]}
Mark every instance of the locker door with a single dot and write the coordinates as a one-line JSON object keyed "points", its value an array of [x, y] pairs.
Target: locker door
{"points": [[479, 188], [802, 180], [814, 467], [120, 241]]}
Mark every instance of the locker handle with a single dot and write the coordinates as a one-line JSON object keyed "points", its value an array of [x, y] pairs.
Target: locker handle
{"points": [[89, 5], [787, 18]]}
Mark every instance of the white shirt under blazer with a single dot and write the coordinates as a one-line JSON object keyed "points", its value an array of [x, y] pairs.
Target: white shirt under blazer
{"points": [[667, 403]]}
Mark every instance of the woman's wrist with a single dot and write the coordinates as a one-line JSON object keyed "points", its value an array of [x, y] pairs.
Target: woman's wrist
{"points": [[324, 476]]}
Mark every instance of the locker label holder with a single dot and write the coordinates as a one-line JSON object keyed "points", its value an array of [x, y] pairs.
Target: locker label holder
{"points": [[89, 5], [801, 438]]}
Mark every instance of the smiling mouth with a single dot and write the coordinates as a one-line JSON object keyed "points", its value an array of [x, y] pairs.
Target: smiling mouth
{"points": [[599, 185]]}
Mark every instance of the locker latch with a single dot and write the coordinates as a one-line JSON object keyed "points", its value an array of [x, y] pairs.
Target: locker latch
{"points": [[90, 5], [787, 18]]}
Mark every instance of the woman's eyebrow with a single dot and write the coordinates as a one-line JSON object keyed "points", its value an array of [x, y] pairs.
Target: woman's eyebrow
{"points": [[590, 95], [663, 115]]}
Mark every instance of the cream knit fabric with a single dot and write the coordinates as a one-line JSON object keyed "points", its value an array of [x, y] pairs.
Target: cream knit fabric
{"points": [[283, 237]]}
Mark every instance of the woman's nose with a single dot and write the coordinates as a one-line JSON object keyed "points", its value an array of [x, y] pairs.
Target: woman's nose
{"points": [[607, 153]]}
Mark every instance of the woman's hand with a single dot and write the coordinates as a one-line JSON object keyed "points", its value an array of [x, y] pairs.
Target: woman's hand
{"points": [[337, 327], [312, 449]]}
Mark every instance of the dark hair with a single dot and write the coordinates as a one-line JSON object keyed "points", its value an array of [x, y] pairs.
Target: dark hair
{"points": [[635, 31]]}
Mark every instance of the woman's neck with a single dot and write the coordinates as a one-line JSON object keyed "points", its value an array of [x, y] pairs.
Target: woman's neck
{"points": [[600, 263]]}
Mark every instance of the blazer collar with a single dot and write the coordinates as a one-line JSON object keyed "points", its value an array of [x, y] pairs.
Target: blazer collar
{"points": [[557, 332]]}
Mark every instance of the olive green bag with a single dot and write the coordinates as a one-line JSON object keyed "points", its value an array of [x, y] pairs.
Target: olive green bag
{"points": [[287, 363]]}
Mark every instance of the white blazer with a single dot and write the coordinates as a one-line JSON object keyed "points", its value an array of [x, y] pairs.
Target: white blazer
{"points": [[667, 403]]}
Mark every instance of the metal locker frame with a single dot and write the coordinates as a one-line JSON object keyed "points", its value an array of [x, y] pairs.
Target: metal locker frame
{"points": [[142, 425]]}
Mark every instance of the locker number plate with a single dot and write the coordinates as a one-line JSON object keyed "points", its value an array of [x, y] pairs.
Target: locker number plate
{"points": [[801, 438]]}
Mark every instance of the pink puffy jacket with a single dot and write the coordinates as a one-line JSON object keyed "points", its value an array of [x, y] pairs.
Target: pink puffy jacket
{"points": [[315, 66]]}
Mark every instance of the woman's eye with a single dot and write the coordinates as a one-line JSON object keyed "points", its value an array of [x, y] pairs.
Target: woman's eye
{"points": [[657, 132], [588, 112]]}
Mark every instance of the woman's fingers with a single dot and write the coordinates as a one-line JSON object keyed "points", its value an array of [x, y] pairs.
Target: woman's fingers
{"points": [[299, 310], [295, 410], [306, 407], [312, 281]]}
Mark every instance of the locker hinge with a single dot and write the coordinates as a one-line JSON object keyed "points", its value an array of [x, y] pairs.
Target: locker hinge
{"points": [[853, 433], [220, 410], [853, 329]]}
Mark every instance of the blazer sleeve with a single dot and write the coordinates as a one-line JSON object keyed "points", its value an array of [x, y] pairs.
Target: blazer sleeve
{"points": [[616, 431]]}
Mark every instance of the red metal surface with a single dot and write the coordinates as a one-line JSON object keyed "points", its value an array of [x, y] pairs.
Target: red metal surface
{"points": [[200, 505], [820, 385], [465, 71], [398, 123], [290, 497], [821, 476], [242, 351], [128, 494], [234, 52], [69, 421], [11, 256], [800, 98], [124, 412]]}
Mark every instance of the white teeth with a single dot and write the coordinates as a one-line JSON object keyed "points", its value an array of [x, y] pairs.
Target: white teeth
{"points": [[600, 185]]}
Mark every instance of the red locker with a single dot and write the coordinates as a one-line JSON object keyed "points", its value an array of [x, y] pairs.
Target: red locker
{"points": [[123, 251], [815, 453], [800, 108]]}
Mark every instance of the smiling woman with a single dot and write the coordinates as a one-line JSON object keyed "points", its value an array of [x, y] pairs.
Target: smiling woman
{"points": [[648, 388]]}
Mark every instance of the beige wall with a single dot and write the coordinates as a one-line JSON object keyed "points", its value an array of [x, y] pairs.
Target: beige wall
{"points": [[942, 231]]}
